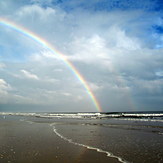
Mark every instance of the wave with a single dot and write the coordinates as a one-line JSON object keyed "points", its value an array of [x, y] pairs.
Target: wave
{"points": [[145, 116]]}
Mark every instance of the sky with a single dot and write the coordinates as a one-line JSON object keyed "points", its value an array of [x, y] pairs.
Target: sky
{"points": [[116, 45]]}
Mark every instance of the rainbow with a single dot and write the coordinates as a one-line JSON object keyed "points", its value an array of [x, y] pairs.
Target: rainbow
{"points": [[49, 47]]}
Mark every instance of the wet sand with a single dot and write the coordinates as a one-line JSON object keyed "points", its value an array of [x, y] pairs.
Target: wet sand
{"points": [[137, 142], [40, 140], [27, 142]]}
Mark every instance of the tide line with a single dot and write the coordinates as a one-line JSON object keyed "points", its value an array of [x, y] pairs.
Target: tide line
{"points": [[108, 154]]}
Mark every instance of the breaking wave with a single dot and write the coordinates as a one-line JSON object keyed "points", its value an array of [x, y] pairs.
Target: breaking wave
{"points": [[136, 116]]}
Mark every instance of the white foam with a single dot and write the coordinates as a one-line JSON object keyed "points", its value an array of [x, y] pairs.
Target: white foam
{"points": [[54, 115], [71, 115], [138, 115], [18, 114], [129, 116], [143, 114], [140, 119], [86, 146]]}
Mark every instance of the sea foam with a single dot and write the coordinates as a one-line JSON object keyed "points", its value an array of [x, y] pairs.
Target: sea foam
{"points": [[137, 116], [109, 154]]}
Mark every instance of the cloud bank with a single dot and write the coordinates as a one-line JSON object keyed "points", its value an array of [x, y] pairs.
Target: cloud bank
{"points": [[115, 45]]}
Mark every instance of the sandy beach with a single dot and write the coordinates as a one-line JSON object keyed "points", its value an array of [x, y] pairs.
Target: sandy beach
{"points": [[27, 142], [40, 140]]}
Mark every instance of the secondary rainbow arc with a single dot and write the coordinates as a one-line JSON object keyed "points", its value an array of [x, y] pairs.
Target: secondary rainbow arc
{"points": [[49, 47]]}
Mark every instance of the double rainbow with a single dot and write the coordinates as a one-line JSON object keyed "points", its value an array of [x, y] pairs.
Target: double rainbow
{"points": [[48, 46]]}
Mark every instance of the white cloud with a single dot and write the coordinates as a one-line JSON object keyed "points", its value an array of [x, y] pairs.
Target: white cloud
{"points": [[29, 75], [4, 89], [88, 50], [50, 55], [94, 87], [3, 85], [33, 11], [122, 40]]}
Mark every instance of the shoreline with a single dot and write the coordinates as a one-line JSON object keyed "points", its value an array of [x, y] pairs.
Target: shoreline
{"points": [[38, 140], [37, 143], [108, 154]]}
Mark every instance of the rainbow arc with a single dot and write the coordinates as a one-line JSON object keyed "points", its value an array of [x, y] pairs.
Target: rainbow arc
{"points": [[24, 31]]}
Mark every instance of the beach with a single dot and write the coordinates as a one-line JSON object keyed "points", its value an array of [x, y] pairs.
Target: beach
{"points": [[37, 140]]}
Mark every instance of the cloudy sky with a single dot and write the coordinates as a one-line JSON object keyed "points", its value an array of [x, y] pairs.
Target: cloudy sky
{"points": [[116, 45]]}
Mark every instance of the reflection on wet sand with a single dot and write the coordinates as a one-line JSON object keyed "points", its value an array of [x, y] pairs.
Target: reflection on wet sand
{"points": [[32, 139]]}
